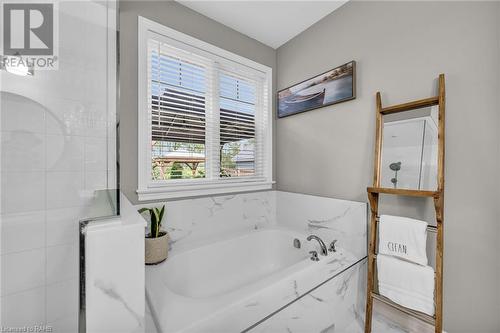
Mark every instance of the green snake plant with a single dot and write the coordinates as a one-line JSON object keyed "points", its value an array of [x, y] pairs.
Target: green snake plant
{"points": [[156, 215]]}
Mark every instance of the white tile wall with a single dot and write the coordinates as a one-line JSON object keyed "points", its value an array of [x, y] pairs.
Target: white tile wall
{"points": [[24, 308], [26, 118], [62, 301], [57, 128], [22, 232], [22, 191], [64, 189], [95, 154], [19, 147], [65, 153], [23, 270], [62, 226], [61, 263]]}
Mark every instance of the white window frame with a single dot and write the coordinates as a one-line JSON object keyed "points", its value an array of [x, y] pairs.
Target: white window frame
{"points": [[152, 190]]}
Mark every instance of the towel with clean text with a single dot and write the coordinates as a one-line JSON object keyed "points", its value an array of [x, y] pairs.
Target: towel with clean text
{"points": [[403, 237], [406, 283]]}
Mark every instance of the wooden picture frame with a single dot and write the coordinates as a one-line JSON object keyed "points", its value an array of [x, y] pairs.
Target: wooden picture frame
{"points": [[334, 86]]}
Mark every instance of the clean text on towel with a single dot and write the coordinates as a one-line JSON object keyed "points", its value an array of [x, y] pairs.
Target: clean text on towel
{"points": [[396, 247]]}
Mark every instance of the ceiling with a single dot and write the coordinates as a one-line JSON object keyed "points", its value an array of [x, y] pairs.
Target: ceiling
{"points": [[270, 22]]}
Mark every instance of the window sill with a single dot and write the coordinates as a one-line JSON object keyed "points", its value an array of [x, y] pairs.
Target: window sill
{"points": [[188, 191]]}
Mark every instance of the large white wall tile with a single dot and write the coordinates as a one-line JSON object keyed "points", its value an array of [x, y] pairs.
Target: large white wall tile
{"points": [[22, 191], [68, 81], [96, 180], [194, 220], [22, 271], [95, 154], [64, 189], [62, 301], [329, 218], [62, 263], [63, 225], [64, 116], [23, 231], [68, 324], [21, 113], [73, 18], [96, 90], [96, 121], [65, 153], [23, 151], [24, 309]]}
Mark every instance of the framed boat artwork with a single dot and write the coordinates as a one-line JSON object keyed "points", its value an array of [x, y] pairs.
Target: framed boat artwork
{"points": [[334, 86]]}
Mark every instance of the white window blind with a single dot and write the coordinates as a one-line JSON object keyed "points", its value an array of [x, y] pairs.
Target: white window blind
{"points": [[180, 89], [208, 116]]}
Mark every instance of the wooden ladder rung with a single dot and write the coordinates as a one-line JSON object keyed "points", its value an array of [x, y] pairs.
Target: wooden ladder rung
{"points": [[421, 103], [416, 314], [404, 192]]}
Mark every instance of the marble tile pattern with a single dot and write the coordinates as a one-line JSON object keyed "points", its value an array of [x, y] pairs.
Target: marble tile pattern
{"points": [[327, 309], [57, 127], [330, 219], [229, 314], [335, 307], [114, 273], [197, 222], [150, 326], [194, 221]]}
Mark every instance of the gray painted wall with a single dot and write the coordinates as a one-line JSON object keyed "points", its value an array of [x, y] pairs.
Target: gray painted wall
{"points": [[183, 19], [400, 48]]}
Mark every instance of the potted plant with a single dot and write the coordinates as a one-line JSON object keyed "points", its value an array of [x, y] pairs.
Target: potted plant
{"points": [[156, 240]]}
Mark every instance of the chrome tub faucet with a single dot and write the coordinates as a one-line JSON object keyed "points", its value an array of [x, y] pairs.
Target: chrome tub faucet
{"points": [[324, 250]]}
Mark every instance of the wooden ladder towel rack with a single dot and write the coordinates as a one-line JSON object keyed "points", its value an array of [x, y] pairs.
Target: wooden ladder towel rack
{"points": [[437, 196]]}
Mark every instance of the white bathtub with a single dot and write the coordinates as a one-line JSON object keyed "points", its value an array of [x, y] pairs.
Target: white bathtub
{"points": [[211, 287]]}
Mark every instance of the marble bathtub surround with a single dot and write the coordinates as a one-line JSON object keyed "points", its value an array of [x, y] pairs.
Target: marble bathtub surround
{"points": [[193, 222], [256, 224], [209, 299], [328, 308]]}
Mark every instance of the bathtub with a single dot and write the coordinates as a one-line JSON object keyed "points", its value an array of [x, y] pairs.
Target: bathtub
{"points": [[231, 283]]}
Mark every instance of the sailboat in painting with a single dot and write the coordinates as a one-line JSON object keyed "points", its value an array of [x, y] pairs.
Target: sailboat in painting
{"points": [[334, 86], [298, 102]]}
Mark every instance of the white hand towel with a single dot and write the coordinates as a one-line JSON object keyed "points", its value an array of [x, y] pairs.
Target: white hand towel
{"points": [[403, 237], [406, 283]]}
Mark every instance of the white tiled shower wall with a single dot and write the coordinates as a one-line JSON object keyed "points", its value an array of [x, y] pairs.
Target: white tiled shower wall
{"points": [[57, 147]]}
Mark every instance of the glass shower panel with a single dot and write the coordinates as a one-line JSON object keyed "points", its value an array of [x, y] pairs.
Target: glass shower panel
{"points": [[58, 136]]}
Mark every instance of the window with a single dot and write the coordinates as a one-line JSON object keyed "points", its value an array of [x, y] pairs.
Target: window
{"points": [[204, 117]]}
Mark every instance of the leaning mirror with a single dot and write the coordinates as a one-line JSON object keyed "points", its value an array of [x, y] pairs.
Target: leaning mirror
{"points": [[410, 149]]}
